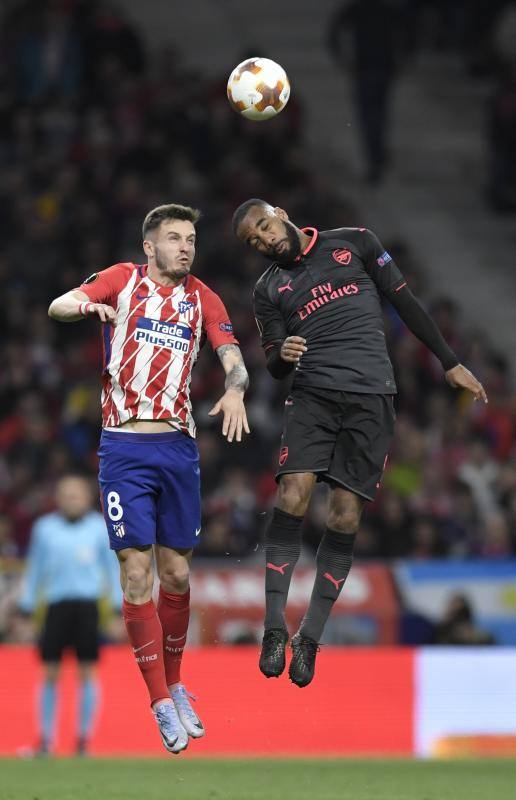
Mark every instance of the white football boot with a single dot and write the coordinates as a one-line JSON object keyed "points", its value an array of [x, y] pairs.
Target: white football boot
{"points": [[189, 719], [173, 734]]}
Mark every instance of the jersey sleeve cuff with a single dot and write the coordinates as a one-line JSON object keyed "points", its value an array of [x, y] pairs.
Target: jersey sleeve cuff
{"points": [[219, 340]]}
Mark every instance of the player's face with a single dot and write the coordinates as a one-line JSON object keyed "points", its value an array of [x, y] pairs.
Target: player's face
{"points": [[270, 231], [73, 497], [172, 248]]}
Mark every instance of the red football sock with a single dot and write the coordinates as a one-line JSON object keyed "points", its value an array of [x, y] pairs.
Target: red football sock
{"points": [[174, 613], [146, 636]]}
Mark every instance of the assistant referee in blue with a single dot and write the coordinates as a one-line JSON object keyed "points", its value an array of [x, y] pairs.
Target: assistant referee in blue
{"points": [[69, 568]]}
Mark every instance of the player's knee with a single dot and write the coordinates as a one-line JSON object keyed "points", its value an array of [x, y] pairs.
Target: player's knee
{"points": [[175, 580], [51, 672], [86, 672], [293, 495], [138, 582], [344, 520]]}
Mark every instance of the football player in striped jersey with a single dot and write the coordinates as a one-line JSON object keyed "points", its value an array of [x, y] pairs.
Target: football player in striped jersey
{"points": [[155, 318]]}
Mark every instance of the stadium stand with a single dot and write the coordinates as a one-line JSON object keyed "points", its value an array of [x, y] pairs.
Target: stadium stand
{"points": [[81, 163]]}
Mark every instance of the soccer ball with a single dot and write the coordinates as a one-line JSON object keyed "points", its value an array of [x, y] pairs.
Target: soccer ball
{"points": [[258, 88]]}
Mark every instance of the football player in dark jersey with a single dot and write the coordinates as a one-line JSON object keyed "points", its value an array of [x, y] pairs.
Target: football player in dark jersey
{"points": [[318, 311]]}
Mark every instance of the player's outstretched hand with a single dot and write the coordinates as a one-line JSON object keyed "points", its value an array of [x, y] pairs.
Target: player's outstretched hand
{"points": [[231, 404], [104, 312], [293, 348], [461, 378]]}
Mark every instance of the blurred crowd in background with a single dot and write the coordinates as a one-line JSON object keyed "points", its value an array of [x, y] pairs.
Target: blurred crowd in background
{"points": [[95, 132], [375, 41]]}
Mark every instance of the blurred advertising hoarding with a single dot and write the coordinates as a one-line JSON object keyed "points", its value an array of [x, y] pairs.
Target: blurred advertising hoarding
{"points": [[465, 701], [490, 585], [228, 600], [228, 605], [363, 701]]}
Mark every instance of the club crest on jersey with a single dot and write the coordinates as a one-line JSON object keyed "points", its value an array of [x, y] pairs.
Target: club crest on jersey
{"points": [[383, 259], [185, 306], [342, 256]]}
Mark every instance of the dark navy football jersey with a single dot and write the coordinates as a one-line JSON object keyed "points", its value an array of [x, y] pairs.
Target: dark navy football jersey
{"points": [[331, 297]]}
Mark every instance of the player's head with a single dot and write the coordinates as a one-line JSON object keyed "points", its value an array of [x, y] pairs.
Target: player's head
{"points": [[267, 230], [73, 496], [169, 239]]}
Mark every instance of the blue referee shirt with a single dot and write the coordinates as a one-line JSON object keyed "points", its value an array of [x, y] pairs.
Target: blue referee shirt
{"points": [[70, 561]]}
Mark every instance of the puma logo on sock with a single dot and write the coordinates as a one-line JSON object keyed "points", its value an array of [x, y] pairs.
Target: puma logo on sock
{"points": [[281, 569], [333, 580]]}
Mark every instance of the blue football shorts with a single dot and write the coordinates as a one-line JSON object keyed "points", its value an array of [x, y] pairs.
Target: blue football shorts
{"points": [[150, 489]]}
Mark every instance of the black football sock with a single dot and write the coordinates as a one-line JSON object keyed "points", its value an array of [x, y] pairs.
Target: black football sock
{"points": [[334, 558], [282, 548]]}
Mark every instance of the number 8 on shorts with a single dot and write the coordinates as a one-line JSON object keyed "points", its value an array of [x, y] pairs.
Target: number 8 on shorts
{"points": [[114, 508]]}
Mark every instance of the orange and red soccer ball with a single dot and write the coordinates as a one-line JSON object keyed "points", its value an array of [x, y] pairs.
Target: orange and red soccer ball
{"points": [[258, 88]]}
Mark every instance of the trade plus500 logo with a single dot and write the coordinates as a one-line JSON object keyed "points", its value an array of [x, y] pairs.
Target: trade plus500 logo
{"points": [[163, 334]]}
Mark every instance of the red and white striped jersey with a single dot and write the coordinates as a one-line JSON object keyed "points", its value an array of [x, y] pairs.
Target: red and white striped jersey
{"points": [[150, 352]]}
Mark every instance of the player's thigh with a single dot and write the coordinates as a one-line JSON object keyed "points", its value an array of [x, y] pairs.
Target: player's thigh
{"points": [[310, 431], [179, 502], [86, 637], [128, 481], [363, 444], [56, 633]]}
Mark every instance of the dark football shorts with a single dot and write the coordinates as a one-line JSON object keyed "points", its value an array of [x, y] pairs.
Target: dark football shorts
{"points": [[74, 624], [344, 437]]}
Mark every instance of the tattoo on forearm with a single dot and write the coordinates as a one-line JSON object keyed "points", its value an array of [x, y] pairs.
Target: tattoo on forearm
{"points": [[237, 378], [233, 363], [226, 350]]}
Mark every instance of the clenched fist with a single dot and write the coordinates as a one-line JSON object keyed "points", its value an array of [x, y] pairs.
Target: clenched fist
{"points": [[293, 348]]}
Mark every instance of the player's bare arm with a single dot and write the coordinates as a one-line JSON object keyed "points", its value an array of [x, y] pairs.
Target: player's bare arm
{"points": [[231, 404], [75, 305]]}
